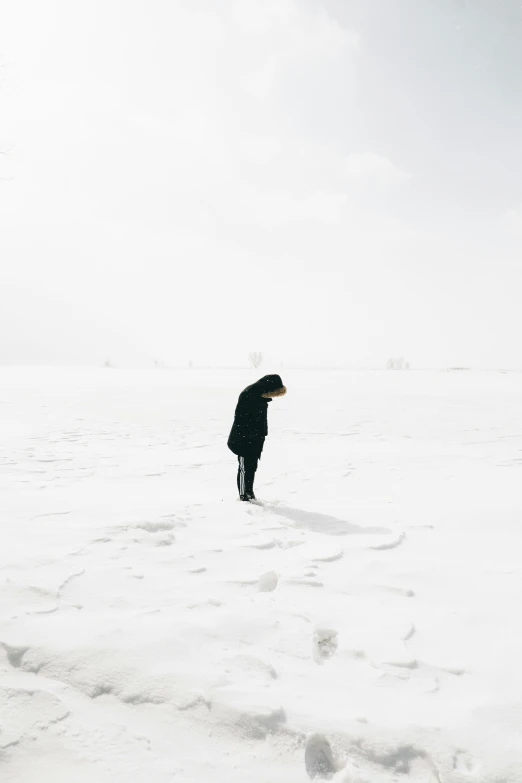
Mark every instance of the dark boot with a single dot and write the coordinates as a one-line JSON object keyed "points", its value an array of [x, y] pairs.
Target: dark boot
{"points": [[245, 477]]}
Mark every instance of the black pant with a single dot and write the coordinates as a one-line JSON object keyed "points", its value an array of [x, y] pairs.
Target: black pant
{"points": [[245, 475]]}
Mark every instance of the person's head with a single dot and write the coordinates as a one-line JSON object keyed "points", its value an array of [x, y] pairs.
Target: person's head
{"points": [[272, 386]]}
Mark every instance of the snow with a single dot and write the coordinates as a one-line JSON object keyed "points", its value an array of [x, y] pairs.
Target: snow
{"points": [[359, 625]]}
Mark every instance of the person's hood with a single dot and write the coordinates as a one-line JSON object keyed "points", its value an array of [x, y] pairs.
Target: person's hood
{"points": [[271, 386]]}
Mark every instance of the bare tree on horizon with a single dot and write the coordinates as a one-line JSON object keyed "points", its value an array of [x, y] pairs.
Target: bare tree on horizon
{"points": [[397, 364], [255, 359]]}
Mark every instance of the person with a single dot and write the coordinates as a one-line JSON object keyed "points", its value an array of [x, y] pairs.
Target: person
{"points": [[250, 428]]}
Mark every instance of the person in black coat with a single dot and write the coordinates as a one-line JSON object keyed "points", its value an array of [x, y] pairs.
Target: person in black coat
{"points": [[250, 428]]}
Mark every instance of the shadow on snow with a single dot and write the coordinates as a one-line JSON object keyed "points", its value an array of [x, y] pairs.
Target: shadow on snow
{"points": [[324, 523]]}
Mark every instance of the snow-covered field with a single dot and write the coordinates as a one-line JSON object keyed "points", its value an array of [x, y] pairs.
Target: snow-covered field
{"points": [[363, 625]]}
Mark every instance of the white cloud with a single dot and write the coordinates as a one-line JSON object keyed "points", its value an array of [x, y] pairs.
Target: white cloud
{"points": [[280, 208], [259, 149], [259, 17], [278, 34], [260, 82], [512, 221], [295, 30], [369, 167]]}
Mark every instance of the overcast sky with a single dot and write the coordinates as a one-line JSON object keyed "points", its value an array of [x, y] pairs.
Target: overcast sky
{"points": [[333, 179]]}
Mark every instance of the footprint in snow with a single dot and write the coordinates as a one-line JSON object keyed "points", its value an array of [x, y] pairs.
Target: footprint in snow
{"points": [[159, 526], [258, 543], [329, 557], [324, 644], [319, 760], [463, 763], [307, 581], [268, 582], [392, 544]]}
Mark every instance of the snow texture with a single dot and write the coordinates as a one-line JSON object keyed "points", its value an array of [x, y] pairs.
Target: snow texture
{"points": [[359, 624]]}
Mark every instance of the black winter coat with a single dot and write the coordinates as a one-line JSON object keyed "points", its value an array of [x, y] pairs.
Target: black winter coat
{"points": [[250, 426]]}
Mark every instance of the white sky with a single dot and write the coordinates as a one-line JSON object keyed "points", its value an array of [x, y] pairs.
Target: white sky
{"points": [[312, 178]]}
